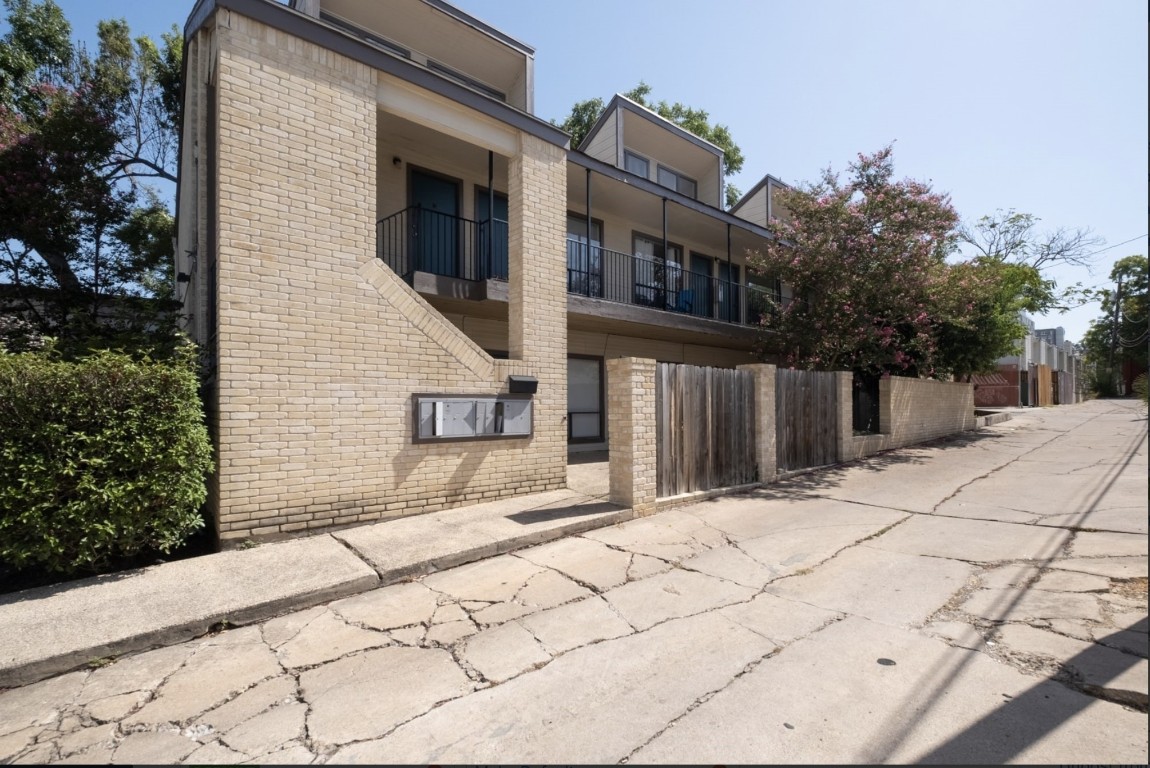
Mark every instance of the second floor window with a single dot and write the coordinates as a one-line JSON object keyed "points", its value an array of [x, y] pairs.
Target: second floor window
{"points": [[636, 164], [678, 182]]}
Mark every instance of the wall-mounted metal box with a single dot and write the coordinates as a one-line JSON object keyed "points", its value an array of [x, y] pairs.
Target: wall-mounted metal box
{"points": [[471, 417]]}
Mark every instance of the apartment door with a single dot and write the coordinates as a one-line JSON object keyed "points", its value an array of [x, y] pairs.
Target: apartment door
{"points": [[729, 292], [492, 234], [435, 224], [701, 286]]}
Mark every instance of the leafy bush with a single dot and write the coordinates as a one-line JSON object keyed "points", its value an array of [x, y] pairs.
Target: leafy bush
{"points": [[100, 458], [1102, 382], [1142, 389]]}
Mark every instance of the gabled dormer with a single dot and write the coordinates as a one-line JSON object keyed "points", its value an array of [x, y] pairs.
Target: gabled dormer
{"points": [[761, 203], [633, 138], [440, 37]]}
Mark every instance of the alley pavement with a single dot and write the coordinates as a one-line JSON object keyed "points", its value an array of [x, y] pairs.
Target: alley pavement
{"points": [[978, 600]]}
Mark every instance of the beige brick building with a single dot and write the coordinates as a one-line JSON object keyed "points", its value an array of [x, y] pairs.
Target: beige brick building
{"points": [[379, 235]]}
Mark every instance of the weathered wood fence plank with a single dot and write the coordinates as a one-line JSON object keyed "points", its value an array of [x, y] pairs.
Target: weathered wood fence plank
{"points": [[806, 418], [705, 423]]}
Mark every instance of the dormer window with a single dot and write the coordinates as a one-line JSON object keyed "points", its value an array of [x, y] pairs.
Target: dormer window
{"points": [[678, 182], [636, 164]]}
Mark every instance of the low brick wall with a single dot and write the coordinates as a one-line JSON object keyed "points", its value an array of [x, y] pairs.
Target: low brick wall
{"points": [[910, 411]]}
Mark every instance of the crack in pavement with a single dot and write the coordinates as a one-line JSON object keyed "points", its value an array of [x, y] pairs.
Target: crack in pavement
{"points": [[746, 670]]}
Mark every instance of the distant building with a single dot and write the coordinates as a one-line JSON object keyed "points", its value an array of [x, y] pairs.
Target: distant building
{"points": [[1046, 370], [1052, 336]]}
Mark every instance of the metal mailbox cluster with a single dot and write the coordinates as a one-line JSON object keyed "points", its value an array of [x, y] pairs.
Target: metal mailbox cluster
{"points": [[471, 417]]}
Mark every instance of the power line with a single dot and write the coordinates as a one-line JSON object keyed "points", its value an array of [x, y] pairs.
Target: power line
{"points": [[1112, 247]]}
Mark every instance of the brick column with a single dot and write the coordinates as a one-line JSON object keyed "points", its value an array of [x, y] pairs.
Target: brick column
{"points": [[766, 457], [537, 306], [631, 432], [845, 381]]}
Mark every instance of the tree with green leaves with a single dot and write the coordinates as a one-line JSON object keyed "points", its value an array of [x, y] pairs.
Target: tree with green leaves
{"points": [[85, 240], [978, 308], [866, 259], [697, 121], [1011, 237], [1117, 340]]}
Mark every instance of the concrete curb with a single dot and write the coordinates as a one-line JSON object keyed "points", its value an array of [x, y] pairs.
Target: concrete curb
{"points": [[56, 629]]}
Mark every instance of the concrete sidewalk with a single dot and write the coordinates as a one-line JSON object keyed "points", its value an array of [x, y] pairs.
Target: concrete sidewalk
{"points": [[50, 630]]}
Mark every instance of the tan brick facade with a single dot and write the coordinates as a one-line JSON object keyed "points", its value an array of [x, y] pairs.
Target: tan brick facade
{"points": [[320, 345]]}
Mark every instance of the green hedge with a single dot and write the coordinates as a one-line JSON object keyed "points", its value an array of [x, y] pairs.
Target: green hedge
{"points": [[100, 458]]}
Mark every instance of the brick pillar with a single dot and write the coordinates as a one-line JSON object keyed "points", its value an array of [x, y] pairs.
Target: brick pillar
{"points": [[886, 423], [631, 432], [537, 293], [845, 382], [766, 457]]}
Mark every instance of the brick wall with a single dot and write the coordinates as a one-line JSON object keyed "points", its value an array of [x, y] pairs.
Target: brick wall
{"points": [[910, 411], [320, 345], [999, 389]]}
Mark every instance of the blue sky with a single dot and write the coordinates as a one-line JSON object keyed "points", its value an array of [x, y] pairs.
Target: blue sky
{"points": [[1040, 105]]}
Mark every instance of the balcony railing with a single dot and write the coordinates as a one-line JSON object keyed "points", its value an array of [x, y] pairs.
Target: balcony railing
{"points": [[424, 240], [641, 281], [419, 239]]}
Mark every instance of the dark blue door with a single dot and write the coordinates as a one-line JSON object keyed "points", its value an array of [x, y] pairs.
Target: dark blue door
{"points": [[729, 292], [700, 284], [435, 229]]}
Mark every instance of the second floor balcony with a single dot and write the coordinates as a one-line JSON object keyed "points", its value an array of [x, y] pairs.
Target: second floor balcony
{"points": [[641, 281], [445, 254], [425, 240]]}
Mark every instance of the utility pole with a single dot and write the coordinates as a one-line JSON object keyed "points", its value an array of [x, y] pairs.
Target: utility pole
{"points": [[1114, 331]]}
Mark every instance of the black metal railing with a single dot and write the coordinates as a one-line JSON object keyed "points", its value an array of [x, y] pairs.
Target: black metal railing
{"points": [[419, 239], [646, 282], [865, 402]]}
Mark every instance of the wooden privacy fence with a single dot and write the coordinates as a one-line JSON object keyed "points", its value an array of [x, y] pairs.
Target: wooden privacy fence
{"points": [[806, 419], [705, 420]]}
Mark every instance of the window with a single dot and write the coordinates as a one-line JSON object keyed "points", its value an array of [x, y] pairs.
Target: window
{"points": [[584, 399], [584, 260], [657, 275], [636, 164], [678, 182]]}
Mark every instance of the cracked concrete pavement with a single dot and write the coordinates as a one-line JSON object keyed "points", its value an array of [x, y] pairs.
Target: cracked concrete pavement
{"points": [[977, 600]]}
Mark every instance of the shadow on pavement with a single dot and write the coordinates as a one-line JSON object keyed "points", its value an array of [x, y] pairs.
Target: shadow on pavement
{"points": [[999, 737], [1014, 728], [819, 479], [558, 513]]}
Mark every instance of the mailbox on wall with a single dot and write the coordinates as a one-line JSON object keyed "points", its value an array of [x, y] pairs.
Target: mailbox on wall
{"points": [[471, 417]]}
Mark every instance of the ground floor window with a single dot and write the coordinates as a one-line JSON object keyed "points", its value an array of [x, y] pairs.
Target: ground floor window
{"points": [[584, 399]]}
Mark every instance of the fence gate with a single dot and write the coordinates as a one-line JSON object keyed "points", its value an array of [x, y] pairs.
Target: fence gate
{"points": [[806, 419], [706, 426]]}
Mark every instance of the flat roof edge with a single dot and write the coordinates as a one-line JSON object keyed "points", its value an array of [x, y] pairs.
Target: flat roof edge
{"points": [[315, 31], [586, 161]]}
